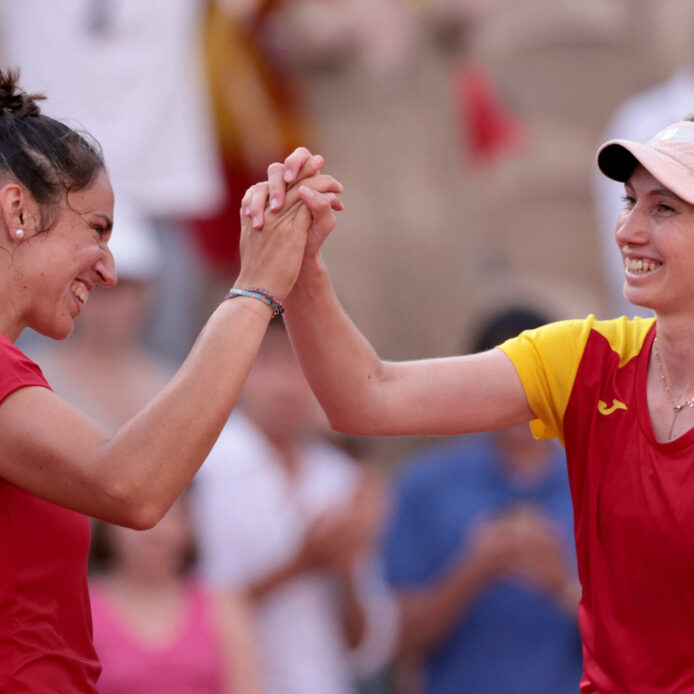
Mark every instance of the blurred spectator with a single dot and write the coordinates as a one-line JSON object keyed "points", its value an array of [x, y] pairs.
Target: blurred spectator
{"points": [[316, 35], [256, 109], [131, 73], [480, 552], [157, 630], [254, 51], [489, 128], [291, 521], [638, 118]]}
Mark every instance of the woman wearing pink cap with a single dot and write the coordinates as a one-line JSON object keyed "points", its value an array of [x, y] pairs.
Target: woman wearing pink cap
{"points": [[620, 399]]}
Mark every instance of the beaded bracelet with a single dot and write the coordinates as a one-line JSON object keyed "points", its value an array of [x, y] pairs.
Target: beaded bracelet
{"points": [[261, 294]]}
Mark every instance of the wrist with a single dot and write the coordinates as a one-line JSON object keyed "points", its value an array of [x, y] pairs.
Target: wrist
{"points": [[313, 270], [259, 294]]}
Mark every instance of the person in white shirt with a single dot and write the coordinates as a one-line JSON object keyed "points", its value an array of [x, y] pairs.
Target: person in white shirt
{"points": [[292, 520]]}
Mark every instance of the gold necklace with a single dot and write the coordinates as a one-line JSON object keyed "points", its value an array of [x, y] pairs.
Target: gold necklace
{"points": [[676, 409]]}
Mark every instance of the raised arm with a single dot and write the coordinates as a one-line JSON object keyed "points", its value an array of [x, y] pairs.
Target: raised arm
{"points": [[360, 392], [131, 478]]}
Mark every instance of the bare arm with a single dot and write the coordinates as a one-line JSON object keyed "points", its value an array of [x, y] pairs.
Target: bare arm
{"points": [[131, 478], [360, 392], [363, 394]]}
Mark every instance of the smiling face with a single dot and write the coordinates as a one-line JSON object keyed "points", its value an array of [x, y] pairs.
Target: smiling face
{"points": [[53, 271], [655, 234]]}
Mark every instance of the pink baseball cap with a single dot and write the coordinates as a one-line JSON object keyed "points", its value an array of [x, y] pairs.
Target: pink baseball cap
{"points": [[668, 157]]}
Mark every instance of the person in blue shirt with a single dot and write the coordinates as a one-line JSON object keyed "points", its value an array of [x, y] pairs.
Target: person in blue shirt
{"points": [[479, 550]]}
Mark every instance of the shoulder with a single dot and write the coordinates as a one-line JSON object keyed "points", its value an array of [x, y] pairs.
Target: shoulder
{"points": [[16, 369], [624, 335]]}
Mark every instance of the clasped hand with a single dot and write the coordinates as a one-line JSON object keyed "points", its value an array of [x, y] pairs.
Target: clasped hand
{"points": [[284, 221]]}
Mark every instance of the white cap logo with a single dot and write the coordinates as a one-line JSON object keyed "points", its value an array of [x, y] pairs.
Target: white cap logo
{"points": [[674, 133]]}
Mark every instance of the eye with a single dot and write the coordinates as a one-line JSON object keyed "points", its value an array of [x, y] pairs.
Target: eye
{"points": [[102, 230], [665, 208], [628, 200]]}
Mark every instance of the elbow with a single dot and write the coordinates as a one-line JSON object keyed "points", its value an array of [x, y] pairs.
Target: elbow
{"points": [[133, 507], [358, 422], [346, 423], [139, 515], [143, 518]]}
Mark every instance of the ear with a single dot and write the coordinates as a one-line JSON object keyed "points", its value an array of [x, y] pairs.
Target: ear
{"points": [[17, 210]]}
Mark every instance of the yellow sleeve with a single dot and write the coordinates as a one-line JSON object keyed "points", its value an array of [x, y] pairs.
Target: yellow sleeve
{"points": [[547, 360]]}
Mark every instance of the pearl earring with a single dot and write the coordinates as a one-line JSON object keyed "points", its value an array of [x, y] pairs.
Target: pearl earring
{"points": [[19, 233]]}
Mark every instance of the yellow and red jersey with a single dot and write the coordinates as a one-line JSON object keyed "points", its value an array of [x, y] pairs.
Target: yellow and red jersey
{"points": [[633, 500]]}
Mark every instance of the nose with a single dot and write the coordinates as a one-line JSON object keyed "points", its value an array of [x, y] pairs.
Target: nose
{"points": [[631, 228], [105, 269]]}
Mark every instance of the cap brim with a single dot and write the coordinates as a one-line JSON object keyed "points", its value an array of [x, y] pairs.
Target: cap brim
{"points": [[617, 159]]}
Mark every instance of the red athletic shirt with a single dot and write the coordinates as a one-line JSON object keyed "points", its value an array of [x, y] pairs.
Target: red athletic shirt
{"points": [[633, 501], [45, 621]]}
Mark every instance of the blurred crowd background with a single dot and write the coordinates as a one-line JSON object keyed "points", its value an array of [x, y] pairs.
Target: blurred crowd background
{"points": [[464, 132]]}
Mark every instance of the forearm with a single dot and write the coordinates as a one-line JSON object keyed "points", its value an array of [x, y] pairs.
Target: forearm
{"points": [[341, 366], [263, 586], [351, 611], [154, 456], [428, 614]]}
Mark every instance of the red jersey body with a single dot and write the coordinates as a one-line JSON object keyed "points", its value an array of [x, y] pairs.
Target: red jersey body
{"points": [[633, 501], [45, 620]]}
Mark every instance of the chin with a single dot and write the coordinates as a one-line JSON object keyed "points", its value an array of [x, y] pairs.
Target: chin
{"points": [[641, 301], [55, 332]]}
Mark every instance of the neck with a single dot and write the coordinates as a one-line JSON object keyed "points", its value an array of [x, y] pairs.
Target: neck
{"points": [[143, 581], [670, 383], [675, 347]]}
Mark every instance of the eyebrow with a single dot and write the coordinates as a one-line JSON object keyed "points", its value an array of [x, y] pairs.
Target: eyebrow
{"points": [[666, 192]]}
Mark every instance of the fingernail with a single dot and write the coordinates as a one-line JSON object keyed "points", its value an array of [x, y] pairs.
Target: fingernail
{"points": [[274, 204], [288, 176], [255, 220], [247, 211]]}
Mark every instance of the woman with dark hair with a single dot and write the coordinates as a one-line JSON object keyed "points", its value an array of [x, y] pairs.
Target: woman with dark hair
{"points": [[618, 394], [57, 466]]}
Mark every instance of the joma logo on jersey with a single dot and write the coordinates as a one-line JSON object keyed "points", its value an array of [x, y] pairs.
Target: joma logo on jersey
{"points": [[616, 405]]}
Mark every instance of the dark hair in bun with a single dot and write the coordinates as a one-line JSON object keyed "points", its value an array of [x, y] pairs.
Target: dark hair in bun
{"points": [[46, 156]]}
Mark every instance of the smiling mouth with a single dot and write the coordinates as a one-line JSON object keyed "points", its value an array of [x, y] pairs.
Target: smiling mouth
{"points": [[640, 266], [81, 292]]}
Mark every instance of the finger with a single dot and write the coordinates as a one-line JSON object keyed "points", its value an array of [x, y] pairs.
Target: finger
{"points": [[311, 167], [258, 201], [276, 185], [246, 202], [323, 183], [316, 202], [336, 203], [295, 162], [320, 207]]}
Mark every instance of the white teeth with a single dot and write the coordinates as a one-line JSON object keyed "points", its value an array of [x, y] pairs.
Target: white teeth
{"points": [[640, 266], [80, 292]]}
